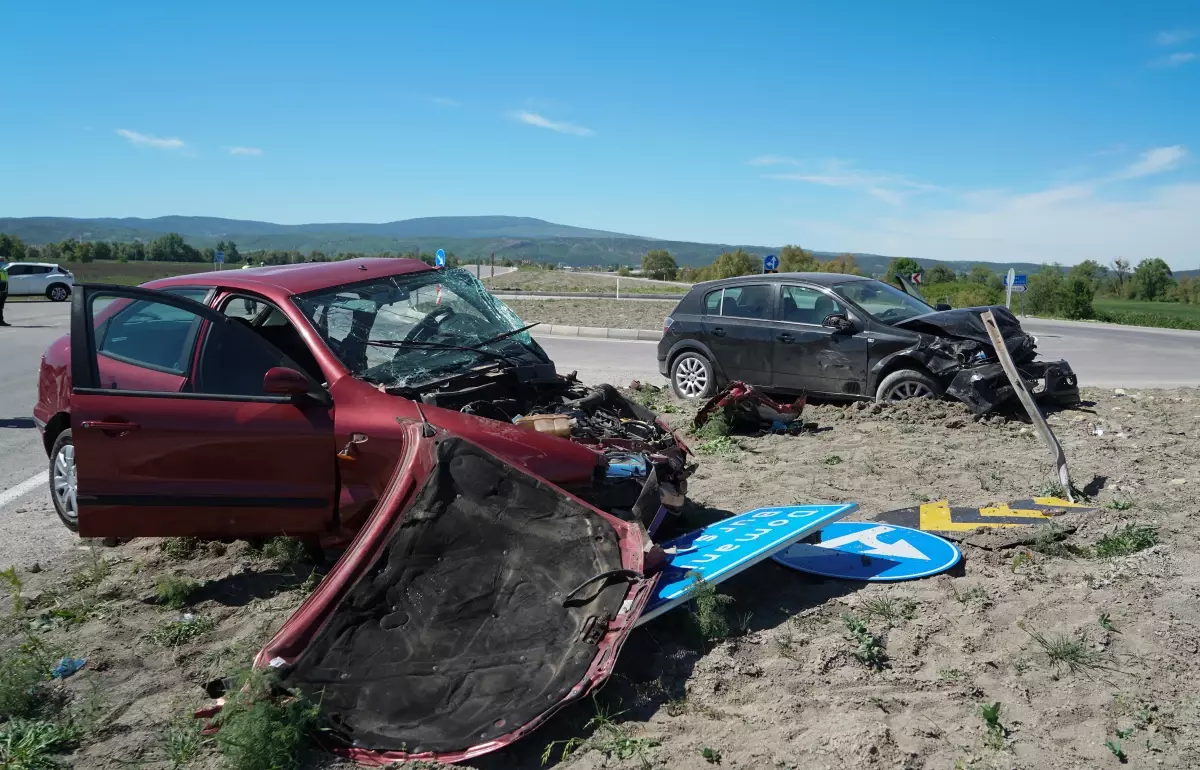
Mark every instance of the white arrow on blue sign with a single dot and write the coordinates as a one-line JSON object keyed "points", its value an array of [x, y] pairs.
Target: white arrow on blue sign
{"points": [[725, 548], [218, 256], [868, 550], [439, 259], [770, 262]]}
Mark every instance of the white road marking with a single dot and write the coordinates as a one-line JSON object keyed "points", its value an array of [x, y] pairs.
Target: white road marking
{"points": [[22, 489]]}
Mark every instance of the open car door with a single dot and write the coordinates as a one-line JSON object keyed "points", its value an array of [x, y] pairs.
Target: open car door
{"points": [[475, 602], [175, 432]]}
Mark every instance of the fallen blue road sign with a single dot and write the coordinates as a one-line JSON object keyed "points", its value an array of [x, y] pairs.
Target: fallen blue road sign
{"points": [[725, 548], [868, 550]]}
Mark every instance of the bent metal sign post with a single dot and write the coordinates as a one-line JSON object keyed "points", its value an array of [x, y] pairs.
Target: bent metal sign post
{"points": [[725, 548]]}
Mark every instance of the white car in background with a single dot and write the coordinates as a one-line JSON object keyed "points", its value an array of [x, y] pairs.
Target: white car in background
{"points": [[39, 279]]}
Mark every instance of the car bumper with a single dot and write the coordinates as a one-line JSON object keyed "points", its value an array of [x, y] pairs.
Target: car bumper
{"points": [[986, 387]]}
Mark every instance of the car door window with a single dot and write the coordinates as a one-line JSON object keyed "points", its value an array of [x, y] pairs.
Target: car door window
{"points": [[15, 270], [149, 334], [806, 305], [752, 301]]}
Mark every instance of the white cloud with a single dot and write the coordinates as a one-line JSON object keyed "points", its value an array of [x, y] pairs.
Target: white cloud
{"points": [[444, 101], [1173, 37], [146, 140], [562, 127], [244, 151], [890, 188], [1154, 161], [1174, 60]]}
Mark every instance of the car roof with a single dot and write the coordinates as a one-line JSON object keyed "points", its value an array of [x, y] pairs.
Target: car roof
{"points": [[821, 279], [23, 262], [296, 279]]}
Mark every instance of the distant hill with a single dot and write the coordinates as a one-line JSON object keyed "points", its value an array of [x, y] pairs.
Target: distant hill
{"points": [[467, 237]]}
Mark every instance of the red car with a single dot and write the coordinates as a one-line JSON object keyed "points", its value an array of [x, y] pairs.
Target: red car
{"points": [[498, 509]]}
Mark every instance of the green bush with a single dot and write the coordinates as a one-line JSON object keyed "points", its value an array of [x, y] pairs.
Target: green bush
{"points": [[1077, 299], [174, 591], [263, 727]]}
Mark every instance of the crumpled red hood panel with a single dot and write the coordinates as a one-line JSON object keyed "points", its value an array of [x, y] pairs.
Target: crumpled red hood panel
{"points": [[475, 602]]}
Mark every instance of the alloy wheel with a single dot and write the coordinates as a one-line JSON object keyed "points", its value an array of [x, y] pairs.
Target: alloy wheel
{"points": [[58, 294], [64, 482], [690, 377], [902, 391]]}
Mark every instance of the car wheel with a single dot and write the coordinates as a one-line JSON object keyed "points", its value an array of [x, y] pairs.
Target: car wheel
{"points": [[63, 480], [692, 376], [905, 384], [58, 293]]}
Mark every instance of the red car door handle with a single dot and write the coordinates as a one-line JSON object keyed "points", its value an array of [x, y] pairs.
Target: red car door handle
{"points": [[785, 337], [116, 427], [718, 332]]}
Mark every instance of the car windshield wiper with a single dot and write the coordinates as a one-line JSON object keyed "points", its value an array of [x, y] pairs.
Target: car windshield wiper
{"points": [[423, 345], [508, 334]]}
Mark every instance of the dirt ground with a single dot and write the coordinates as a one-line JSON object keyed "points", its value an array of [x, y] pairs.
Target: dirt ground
{"points": [[561, 280], [604, 313], [1119, 662]]}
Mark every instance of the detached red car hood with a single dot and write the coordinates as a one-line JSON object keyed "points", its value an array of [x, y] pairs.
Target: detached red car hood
{"points": [[475, 602]]}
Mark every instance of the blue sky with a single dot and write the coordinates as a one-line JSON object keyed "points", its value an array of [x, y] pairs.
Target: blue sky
{"points": [[1000, 131]]}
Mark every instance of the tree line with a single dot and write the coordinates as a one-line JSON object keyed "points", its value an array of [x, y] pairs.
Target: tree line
{"points": [[659, 263]]}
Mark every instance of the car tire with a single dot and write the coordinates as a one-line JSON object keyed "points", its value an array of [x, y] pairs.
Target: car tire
{"points": [[692, 376], [63, 480], [59, 292], [904, 384]]}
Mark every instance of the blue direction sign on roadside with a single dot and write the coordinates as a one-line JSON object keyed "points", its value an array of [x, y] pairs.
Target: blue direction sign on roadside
{"points": [[439, 259], [219, 257], [868, 550], [770, 263], [725, 548], [1019, 282]]}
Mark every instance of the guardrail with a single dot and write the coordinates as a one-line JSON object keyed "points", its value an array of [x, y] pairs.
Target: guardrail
{"points": [[583, 294]]}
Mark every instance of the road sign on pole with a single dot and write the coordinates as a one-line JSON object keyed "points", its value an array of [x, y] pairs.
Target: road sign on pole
{"points": [[770, 264], [218, 258], [439, 259], [1008, 283]]}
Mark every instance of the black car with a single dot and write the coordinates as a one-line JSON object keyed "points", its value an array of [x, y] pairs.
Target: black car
{"points": [[845, 336]]}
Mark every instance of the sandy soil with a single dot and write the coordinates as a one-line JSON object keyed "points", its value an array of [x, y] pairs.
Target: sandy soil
{"points": [[604, 313], [558, 280], [786, 690]]}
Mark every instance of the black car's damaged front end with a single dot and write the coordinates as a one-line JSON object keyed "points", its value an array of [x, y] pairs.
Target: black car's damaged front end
{"points": [[955, 348]]}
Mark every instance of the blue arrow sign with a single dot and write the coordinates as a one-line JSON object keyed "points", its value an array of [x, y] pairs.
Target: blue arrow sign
{"points": [[218, 257], [439, 259], [869, 550], [770, 262], [725, 548]]}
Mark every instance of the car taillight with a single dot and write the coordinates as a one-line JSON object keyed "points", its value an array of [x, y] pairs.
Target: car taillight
{"points": [[667, 322]]}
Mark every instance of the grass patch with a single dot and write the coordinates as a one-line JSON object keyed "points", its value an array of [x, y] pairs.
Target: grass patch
{"points": [[717, 427], [24, 672], [175, 632], [181, 740], [1126, 540], [723, 446], [950, 675], [711, 756], [265, 727], [611, 739], [709, 609], [654, 399], [90, 573], [174, 591], [870, 652], [1052, 489], [1048, 540], [13, 580], [179, 547], [832, 460], [282, 552], [32, 744], [891, 609], [1119, 505], [1070, 651]]}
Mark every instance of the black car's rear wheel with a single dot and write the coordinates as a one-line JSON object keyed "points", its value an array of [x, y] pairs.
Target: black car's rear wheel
{"points": [[692, 376], [905, 384]]}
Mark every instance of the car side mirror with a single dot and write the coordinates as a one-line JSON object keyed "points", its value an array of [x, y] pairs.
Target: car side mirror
{"points": [[942, 306], [282, 381], [838, 321]]}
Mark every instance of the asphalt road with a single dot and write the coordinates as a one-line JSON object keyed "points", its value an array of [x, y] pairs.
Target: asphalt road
{"points": [[1102, 355]]}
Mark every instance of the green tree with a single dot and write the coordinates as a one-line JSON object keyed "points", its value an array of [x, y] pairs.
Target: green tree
{"points": [[1121, 268], [1077, 298], [85, 252], [842, 263], [980, 274], [940, 274], [1152, 280], [904, 266], [793, 259], [731, 264], [1090, 271], [232, 255], [102, 250], [658, 263], [172, 248], [12, 248], [1044, 293]]}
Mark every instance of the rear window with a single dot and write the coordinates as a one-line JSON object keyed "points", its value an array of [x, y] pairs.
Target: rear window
{"points": [[712, 302]]}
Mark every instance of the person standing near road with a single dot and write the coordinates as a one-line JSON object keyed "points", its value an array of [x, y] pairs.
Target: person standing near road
{"points": [[3, 293]]}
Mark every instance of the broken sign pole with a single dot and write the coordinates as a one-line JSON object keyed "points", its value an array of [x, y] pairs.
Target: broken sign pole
{"points": [[1035, 414]]}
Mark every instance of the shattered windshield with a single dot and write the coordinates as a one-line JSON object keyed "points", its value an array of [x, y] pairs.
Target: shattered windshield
{"points": [[884, 301], [407, 331]]}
